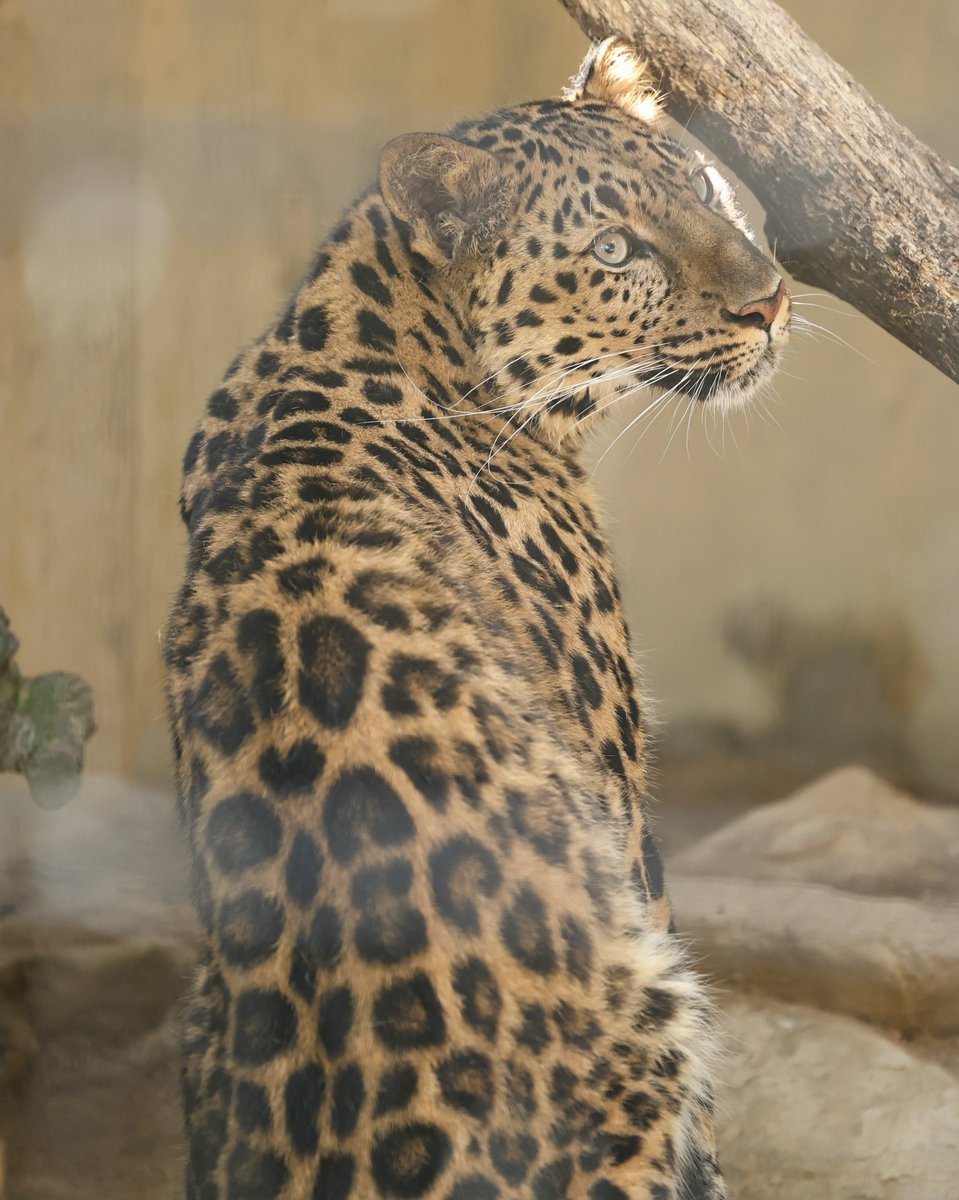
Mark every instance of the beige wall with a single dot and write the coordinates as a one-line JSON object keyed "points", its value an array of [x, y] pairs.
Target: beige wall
{"points": [[165, 168], [801, 587]]}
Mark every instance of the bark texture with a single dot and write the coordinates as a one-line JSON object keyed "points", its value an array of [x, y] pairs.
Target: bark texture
{"points": [[855, 203]]}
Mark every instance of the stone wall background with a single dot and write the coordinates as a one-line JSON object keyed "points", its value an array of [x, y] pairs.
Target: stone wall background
{"points": [[166, 167]]}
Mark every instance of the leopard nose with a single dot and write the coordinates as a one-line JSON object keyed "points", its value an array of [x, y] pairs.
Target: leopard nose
{"points": [[766, 309]]}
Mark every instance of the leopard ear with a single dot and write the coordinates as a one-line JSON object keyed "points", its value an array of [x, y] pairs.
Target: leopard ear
{"points": [[456, 198], [613, 72]]}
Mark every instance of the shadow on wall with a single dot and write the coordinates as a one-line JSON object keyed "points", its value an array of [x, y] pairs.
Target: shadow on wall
{"points": [[839, 689]]}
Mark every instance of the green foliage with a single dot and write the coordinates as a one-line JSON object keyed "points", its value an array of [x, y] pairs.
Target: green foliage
{"points": [[44, 723]]}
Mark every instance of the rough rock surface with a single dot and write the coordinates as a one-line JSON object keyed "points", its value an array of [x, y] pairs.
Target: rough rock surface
{"points": [[844, 896], [97, 944], [100, 1120], [888, 960], [820, 1107], [851, 830]]}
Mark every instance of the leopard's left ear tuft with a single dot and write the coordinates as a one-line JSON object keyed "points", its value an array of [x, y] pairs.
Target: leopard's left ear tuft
{"points": [[613, 72]]}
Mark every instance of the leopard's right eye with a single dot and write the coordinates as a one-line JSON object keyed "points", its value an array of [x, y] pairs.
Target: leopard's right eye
{"points": [[703, 185], [613, 247]]}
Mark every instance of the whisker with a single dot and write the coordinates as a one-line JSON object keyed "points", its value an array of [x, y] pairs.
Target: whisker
{"points": [[836, 312], [805, 323], [657, 403]]}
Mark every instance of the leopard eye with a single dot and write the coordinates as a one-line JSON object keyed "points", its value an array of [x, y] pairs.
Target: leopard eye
{"points": [[613, 247], [703, 185]]}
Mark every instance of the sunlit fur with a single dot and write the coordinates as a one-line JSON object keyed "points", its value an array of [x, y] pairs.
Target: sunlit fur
{"points": [[437, 957], [665, 320]]}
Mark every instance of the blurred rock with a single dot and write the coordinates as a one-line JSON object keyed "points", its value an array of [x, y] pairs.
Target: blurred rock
{"points": [[819, 1107], [112, 863], [97, 945], [835, 905], [889, 960], [842, 896], [851, 830], [100, 1121], [111, 990]]}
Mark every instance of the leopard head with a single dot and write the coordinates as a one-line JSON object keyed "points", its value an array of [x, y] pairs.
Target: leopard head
{"points": [[590, 255]]}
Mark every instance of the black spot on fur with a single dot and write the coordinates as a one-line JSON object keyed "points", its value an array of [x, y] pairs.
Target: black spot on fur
{"points": [[552, 1181], [480, 999], [586, 684], [578, 949], [526, 933], [337, 1008], [397, 1088], [242, 832], [314, 328], [542, 295], [349, 1093], [374, 333], [249, 928], [512, 1154], [462, 871], [254, 1174], [653, 863], [360, 803], [641, 1109], [303, 866], [286, 323], [258, 636], [303, 967], [192, 453], [326, 937], [374, 593], [577, 1026], [264, 546], [539, 820], [602, 1189], [293, 772], [408, 1015], [610, 198], [466, 1082], [414, 756], [334, 1179], [208, 1126], [474, 1187], [219, 710], [252, 1108], [302, 578], [390, 929], [534, 1031], [222, 404], [408, 1160], [288, 404], [658, 1007], [267, 364], [379, 391], [303, 1099], [367, 279], [414, 677], [333, 656], [265, 1026]]}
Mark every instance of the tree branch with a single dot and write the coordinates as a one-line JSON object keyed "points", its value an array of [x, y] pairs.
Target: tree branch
{"points": [[855, 204]]}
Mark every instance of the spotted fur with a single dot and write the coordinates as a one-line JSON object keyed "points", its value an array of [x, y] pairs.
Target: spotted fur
{"points": [[409, 743]]}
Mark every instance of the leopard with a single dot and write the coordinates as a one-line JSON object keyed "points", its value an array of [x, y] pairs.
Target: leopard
{"points": [[412, 754]]}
